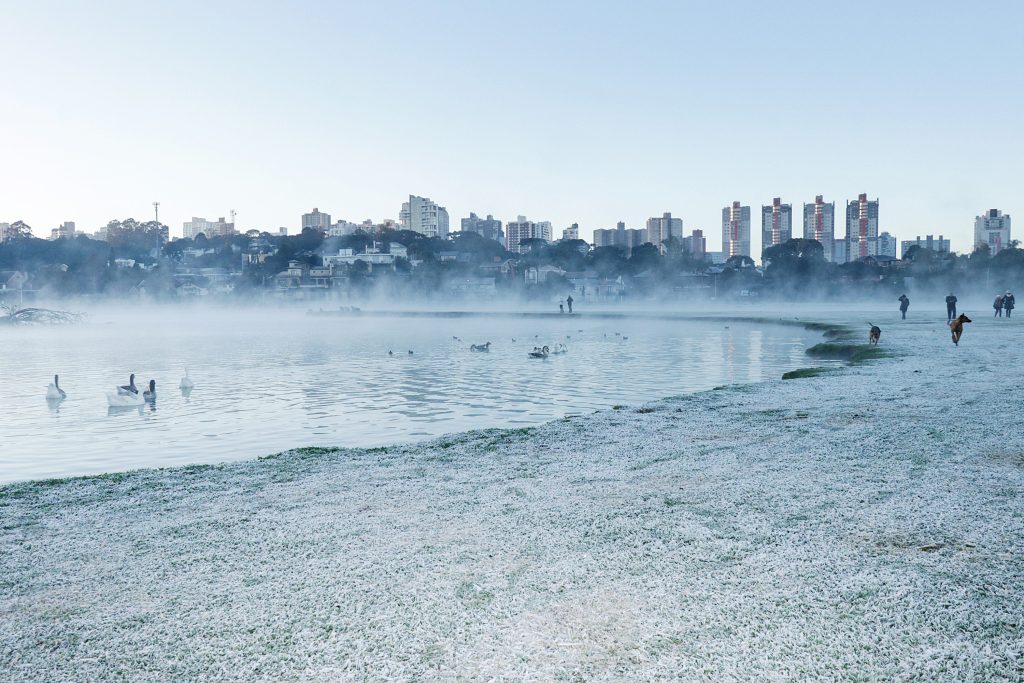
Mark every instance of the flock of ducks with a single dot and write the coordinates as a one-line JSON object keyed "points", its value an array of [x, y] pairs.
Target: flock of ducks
{"points": [[537, 352], [125, 395]]}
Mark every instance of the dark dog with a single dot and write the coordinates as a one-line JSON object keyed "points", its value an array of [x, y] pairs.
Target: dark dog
{"points": [[956, 327], [874, 334]]}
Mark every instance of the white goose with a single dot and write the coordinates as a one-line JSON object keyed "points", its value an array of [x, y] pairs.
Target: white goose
{"points": [[125, 396], [115, 399], [186, 383], [54, 392]]}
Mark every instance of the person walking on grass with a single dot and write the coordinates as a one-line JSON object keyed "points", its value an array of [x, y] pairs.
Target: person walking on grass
{"points": [[904, 305], [950, 307], [998, 305], [1009, 303]]}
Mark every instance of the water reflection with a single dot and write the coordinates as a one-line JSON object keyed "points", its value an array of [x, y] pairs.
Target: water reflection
{"points": [[113, 411]]}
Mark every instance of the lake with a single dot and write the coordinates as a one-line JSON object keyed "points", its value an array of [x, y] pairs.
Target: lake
{"points": [[268, 379]]}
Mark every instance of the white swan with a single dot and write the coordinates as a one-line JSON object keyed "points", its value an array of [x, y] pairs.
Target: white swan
{"points": [[186, 382], [539, 352], [54, 392]]}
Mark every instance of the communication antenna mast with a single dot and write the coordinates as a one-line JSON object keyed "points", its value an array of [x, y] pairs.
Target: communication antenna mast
{"points": [[156, 211], [232, 218]]}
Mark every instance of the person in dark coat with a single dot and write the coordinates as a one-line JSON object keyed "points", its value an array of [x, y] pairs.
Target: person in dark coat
{"points": [[568, 302], [1009, 303], [950, 307], [904, 305], [998, 305]]}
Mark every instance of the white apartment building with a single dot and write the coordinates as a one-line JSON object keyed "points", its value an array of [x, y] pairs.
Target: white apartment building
{"points": [[620, 236], [316, 220], [661, 229], [861, 228], [820, 225], [422, 215], [940, 245], [522, 229], [735, 230], [776, 224], [887, 245], [373, 256], [66, 229], [197, 225], [342, 228], [993, 229]]}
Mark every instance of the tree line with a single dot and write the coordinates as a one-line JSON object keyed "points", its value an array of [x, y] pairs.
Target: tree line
{"points": [[794, 270]]}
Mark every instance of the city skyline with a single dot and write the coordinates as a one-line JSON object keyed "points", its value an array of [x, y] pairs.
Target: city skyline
{"points": [[113, 111], [991, 227]]}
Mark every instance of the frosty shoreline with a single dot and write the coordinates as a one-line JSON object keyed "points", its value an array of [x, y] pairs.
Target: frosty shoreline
{"points": [[867, 524]]}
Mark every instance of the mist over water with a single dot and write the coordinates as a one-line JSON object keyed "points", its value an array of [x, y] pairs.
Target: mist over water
{"points": [[269, 381]]}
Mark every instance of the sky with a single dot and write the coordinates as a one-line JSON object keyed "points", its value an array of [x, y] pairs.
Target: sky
{"points": [[587, 112]]}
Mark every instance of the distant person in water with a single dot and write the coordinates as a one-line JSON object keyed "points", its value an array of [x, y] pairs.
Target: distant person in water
{"points": [[1009, 303], [950, 307], [998, 305], [561, 308], [904, 305], [568, 302]]}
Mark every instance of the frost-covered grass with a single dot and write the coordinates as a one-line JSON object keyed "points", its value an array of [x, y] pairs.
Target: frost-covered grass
{"points": [[864, 525]]}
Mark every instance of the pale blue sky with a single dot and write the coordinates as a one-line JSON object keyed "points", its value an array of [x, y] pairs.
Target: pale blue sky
{"points": [[590, 112]]}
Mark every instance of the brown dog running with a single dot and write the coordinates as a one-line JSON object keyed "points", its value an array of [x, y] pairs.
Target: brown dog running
{"points": [[874, 334], [956, 327]]}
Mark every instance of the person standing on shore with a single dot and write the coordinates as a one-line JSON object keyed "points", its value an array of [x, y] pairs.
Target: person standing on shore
{"points": [[998, 305], [950, 307], [904, 305], [568, 302], [1009, 303], [561, 307]]}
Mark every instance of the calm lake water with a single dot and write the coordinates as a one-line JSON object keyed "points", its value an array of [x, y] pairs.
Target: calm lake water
{"points": [[269, 380]]}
